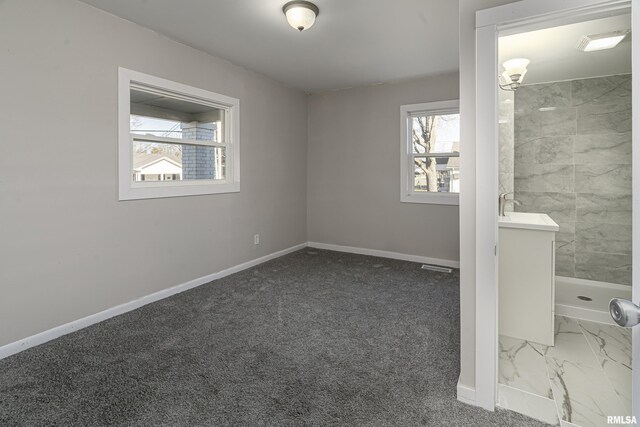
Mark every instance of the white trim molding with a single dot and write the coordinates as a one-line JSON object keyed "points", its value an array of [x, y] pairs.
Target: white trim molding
{"points": [[466, 394], [635, 224], [43, 337], [490, 23], [486, 217], [51, 334], [386, 254], [130, 190]]}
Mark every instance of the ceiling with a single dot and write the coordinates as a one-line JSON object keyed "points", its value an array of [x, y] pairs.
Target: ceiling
{"points": [[353, 43], [554, 57]]}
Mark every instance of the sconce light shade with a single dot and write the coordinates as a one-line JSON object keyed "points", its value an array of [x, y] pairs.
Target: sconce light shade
{"points": [[516, 66], [514, 71], [300, 14]]}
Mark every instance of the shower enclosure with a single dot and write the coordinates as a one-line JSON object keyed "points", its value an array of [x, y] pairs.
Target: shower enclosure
{"points": [[565, 150]]}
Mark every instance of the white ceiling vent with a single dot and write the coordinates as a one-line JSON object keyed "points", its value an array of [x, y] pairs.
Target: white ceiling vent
{"points": [[601, 41]]}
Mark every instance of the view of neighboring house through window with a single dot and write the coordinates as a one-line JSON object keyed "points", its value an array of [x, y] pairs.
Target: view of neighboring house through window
{"points": [[431, 153], [175, 140]]}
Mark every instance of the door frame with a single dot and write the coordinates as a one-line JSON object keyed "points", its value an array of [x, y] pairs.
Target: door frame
{"points": [[489, 22]]}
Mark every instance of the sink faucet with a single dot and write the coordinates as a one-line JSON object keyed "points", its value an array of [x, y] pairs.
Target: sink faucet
{"points": [[502, 201]]}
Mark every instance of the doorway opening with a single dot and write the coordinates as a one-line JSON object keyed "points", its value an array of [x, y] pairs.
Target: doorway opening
{"points": [[564, 227]]}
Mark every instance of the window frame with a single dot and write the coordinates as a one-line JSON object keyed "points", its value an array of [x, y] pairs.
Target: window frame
{"points": [[407, 192], [128, 189]]}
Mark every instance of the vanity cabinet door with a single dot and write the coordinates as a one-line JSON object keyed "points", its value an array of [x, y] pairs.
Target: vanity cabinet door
{"points": [[526, 284]]}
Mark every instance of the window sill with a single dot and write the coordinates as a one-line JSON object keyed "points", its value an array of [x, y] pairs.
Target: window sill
{"points": [[432, 198], [154, 191]]}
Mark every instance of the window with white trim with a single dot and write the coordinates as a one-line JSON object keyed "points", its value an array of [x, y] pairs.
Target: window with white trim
{"points": [[430, 156], [174, 139]]}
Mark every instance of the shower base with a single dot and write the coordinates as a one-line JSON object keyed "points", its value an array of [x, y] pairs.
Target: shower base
{"points": [[587, 299]]}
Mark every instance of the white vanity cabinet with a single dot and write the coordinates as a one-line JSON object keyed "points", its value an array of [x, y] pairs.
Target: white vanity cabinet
{"points": [[527, 276]]}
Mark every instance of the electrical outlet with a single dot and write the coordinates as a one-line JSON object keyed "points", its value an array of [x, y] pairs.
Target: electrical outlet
{"points": [[256, 239]]}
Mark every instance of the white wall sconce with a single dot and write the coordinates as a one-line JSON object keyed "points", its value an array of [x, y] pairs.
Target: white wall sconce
{"points": [[514, 71], [300, 14]]}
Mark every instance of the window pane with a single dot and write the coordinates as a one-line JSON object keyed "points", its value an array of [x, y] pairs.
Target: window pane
{"points": [[435, 133], [436, 174], [154, 161], [164, 116]]}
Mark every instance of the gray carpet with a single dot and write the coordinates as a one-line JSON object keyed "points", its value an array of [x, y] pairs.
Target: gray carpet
{"points": [[312, 338]]}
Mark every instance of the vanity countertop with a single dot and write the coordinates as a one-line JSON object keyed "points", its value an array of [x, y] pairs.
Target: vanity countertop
{"points": [[526, 220]]}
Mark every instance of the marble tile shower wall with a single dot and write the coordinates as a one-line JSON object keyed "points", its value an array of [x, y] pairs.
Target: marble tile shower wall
{"points": [[505, 128], [572, 160]]}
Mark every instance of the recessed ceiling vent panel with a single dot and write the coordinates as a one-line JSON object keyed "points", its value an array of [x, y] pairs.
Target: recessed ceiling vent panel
{"points": [[601, 41]]}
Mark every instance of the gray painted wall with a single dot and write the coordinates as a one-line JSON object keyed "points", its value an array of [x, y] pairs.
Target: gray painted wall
{"points": [[573, 162], [76, 250], [70, 248], [354, 172]]}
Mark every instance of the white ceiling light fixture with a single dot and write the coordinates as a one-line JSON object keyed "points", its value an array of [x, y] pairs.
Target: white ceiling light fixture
{"points": [[301, 14], [601, 41], [514, 71]]}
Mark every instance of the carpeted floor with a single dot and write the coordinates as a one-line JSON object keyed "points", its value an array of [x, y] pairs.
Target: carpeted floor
{"points": [[312, 338]]}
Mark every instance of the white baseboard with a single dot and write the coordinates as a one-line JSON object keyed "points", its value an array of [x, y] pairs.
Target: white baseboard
{"points": [[42, 337], [48, 335], [466, 394], [385, 254]]}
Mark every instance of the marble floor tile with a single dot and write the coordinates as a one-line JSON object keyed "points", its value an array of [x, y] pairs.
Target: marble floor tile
{"points": [[531, 405], [522, 365], [608, 341], [586, 375], [620, 377], [612, 346], [582, 393], [570, 343]]}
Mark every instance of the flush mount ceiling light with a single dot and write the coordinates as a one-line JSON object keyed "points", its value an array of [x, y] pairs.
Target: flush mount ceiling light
{"points": [[514, 71], [301, 14], [601, 41]]}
